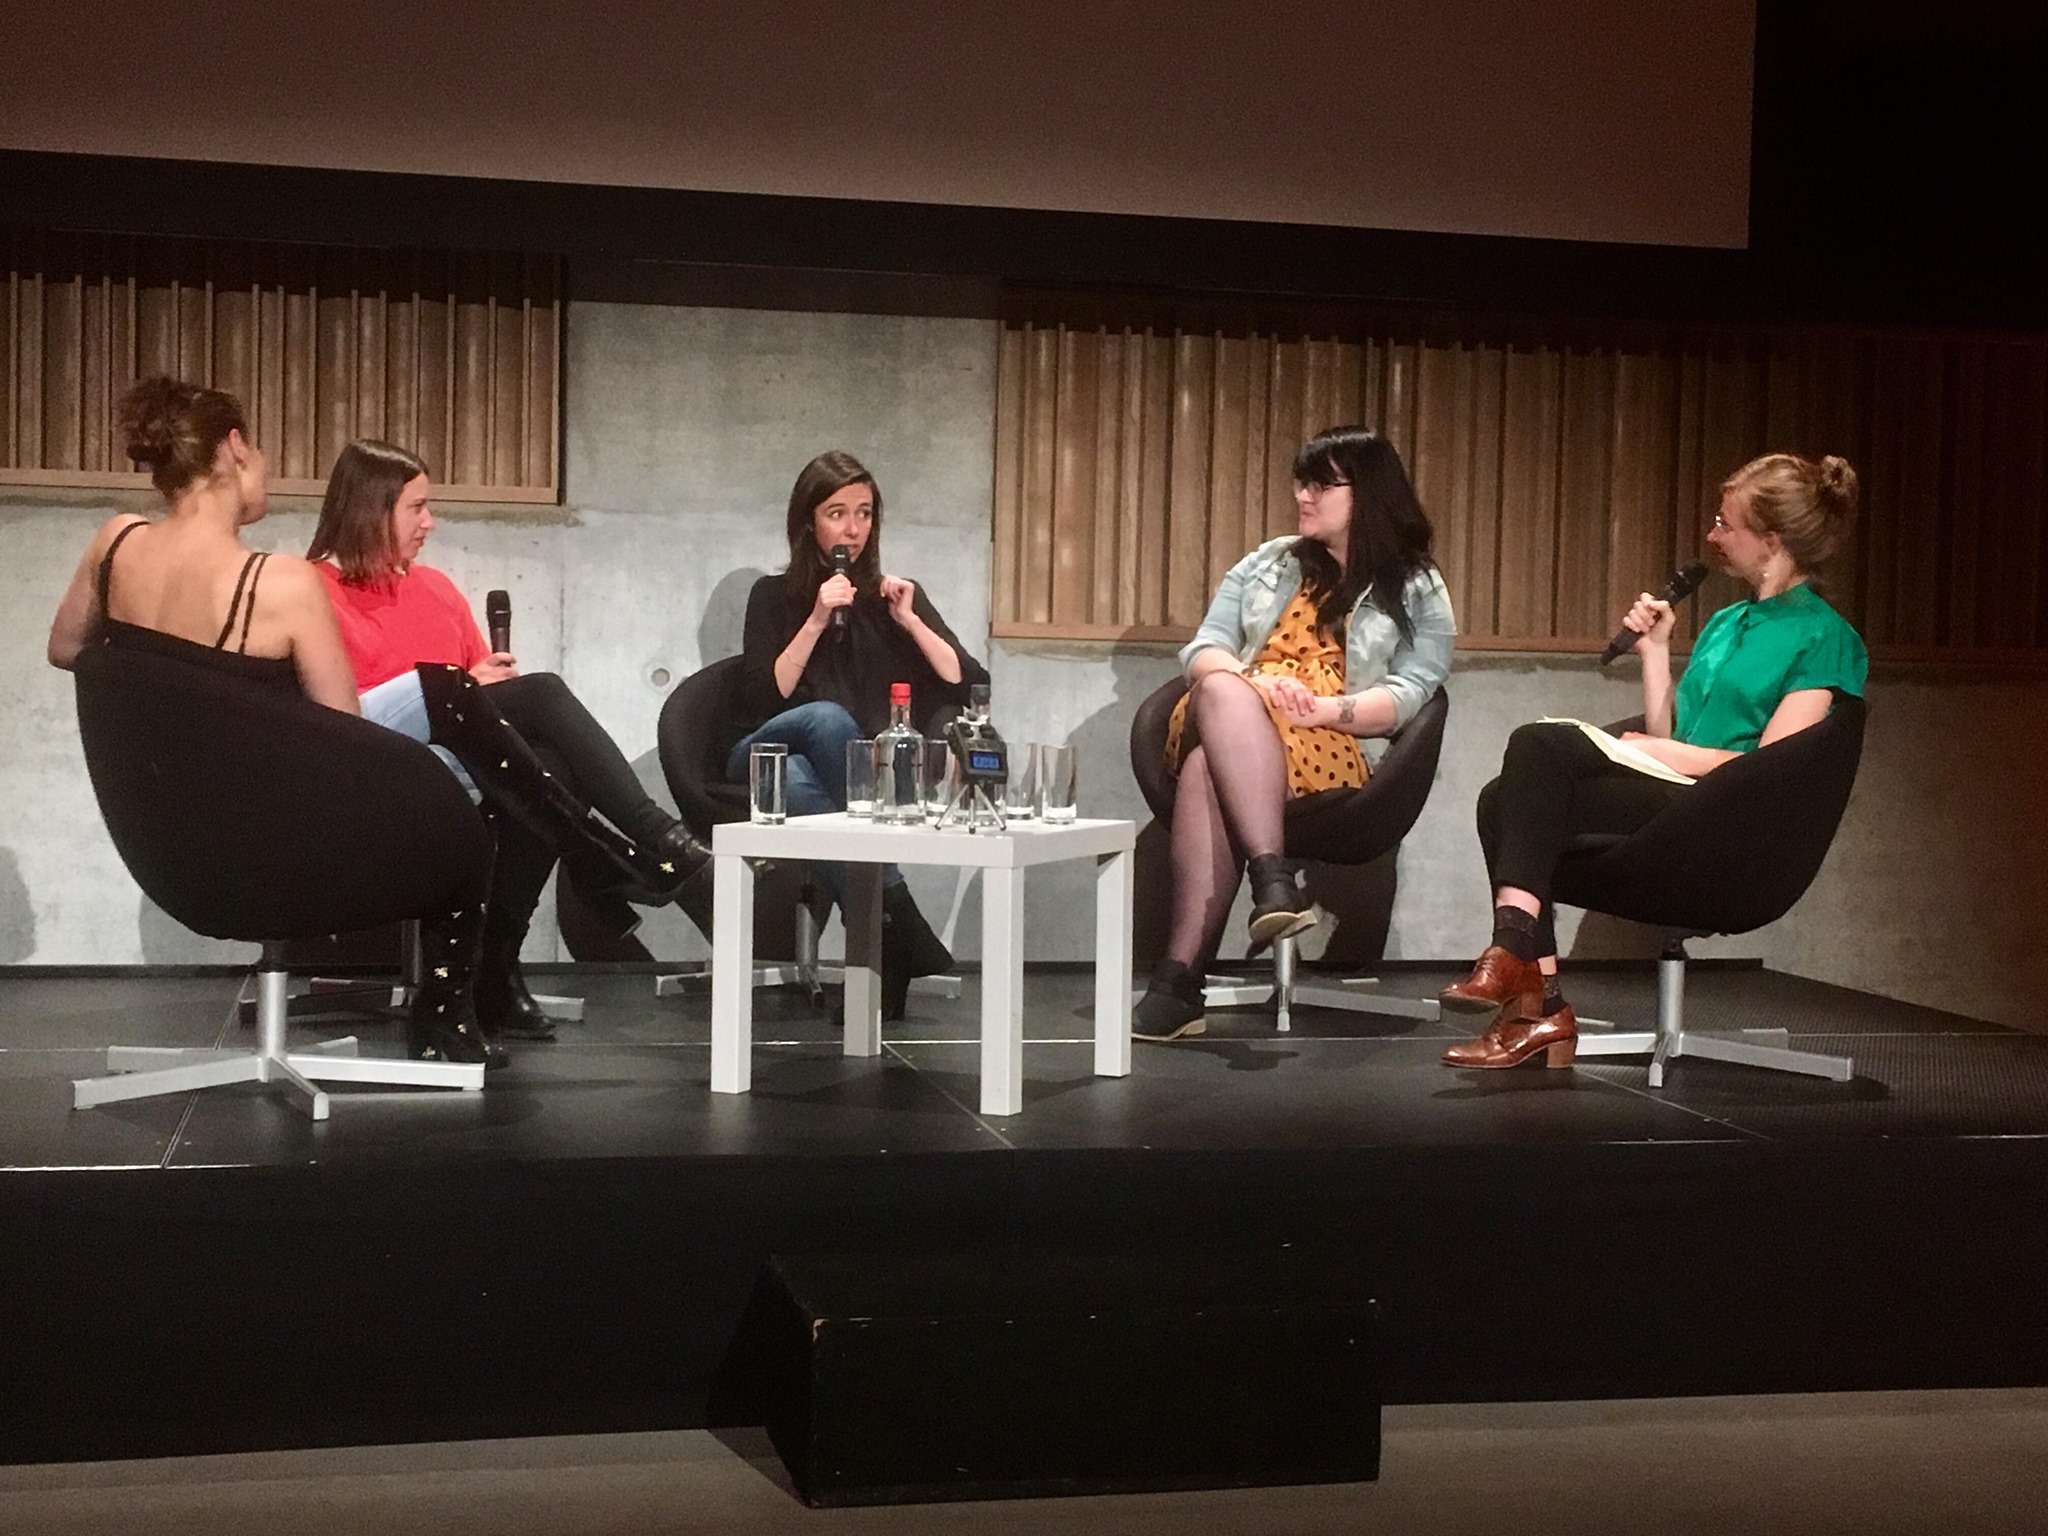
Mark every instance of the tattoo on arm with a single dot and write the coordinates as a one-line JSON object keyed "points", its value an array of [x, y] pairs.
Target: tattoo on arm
{"points": [[1346, 708]]}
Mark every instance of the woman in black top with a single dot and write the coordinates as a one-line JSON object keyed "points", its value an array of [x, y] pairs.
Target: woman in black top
{"points": [[186, 585], [822, 647]]}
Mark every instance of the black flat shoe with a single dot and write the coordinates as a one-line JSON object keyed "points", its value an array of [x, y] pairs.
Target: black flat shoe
{"points": [[1172, 1006]]}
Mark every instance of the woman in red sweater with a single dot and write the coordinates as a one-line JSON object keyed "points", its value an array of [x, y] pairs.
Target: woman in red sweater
{"points": [[522, 740]]}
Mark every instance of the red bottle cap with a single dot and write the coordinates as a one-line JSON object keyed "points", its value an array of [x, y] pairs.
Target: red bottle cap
{"points": [[899, 693]]}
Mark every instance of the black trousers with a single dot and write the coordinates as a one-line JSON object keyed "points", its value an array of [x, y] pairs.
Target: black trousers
{"points": [[1555, 785], [581, 753]]}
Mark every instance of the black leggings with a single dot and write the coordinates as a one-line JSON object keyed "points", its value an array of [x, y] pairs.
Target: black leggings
{"points": [[1555, 785]]}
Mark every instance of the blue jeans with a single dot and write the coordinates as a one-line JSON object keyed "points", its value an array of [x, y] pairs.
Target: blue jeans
{"points": [[398, 705], [816, 735]]}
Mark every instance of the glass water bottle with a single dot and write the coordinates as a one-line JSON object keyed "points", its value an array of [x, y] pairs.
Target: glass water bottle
{"points": [[899, 764]]}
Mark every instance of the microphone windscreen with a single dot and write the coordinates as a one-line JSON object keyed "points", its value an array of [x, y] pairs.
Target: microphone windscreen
{"points": [[1685, 581], [498, 618]]}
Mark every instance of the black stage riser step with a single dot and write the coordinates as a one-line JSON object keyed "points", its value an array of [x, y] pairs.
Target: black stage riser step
{"points": [[156, 1312]]}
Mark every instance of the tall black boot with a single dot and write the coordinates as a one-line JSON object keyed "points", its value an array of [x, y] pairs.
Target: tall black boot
{"points": [[909, 949], [442, 1025], [504, 1007], [513, 780]]}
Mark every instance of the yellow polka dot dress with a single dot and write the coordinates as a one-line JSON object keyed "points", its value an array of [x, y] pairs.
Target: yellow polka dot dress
{"points": [[1318, 756]]}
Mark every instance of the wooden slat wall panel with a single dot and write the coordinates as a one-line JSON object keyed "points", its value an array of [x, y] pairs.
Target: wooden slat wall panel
{"points": [[1566, 466], [456, 356]]}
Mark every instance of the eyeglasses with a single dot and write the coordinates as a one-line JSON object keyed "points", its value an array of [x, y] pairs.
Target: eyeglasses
{"points": [[1317, 487]]}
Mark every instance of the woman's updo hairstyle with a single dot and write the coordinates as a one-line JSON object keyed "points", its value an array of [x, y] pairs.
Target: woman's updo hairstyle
{"points": [[175, 429], [1808, 506]]}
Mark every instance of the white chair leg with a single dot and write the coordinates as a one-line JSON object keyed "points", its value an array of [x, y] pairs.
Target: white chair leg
{"points": [[1283, 984]]}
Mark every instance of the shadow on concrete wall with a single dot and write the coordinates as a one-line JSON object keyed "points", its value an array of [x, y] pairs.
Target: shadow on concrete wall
{"points": [[720, 633], [17, 914], [1102, 753], [723, 628]]}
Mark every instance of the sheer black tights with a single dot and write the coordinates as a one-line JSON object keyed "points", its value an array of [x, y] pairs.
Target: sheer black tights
{"points": [[1229, 807]]}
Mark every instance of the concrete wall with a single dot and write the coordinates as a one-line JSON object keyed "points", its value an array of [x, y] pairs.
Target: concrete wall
{"points": [[686, 424]]}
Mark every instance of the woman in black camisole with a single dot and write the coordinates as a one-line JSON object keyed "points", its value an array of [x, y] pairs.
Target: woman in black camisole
{"points": [[185, 584]]}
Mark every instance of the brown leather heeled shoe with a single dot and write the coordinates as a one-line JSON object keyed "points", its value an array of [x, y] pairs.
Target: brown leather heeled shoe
{"points": [[1498, 981], [1511, 1041]]}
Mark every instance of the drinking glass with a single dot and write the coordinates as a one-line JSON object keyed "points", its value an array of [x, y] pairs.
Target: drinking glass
{"points": [[768, 782], [1056, 782], [938, 778], [1020, 794], [860, 777]]}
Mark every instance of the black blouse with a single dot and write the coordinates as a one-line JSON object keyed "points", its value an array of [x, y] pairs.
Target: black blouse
{"points": [[852, 667]]}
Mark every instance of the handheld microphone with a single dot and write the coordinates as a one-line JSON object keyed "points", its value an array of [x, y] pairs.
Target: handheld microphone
{"points": [[842, 565], [498, 617], [1684, 581]]}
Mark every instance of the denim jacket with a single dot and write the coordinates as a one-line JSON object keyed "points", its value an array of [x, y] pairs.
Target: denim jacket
{"points": [[1257, 590]]}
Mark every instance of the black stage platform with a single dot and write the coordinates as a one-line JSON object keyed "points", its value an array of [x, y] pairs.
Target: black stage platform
{"points": [[571, 1250]]}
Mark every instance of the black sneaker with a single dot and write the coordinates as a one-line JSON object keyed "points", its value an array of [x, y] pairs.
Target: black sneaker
{"points": [[1280, 909], [1172, 1005]]}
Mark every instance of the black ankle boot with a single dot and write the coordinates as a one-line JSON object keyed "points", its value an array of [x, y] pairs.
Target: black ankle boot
{"points": [[1279, 909], [442, 1025], [909, 949], [513, 780], [504, 1008], [1172, 1005]]}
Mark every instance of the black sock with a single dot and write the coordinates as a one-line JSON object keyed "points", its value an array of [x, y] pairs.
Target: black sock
{"points": [[1515, 931], [1553, 995]]}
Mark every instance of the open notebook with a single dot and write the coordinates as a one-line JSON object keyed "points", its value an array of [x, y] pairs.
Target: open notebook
{"points": [[1626, 753]]}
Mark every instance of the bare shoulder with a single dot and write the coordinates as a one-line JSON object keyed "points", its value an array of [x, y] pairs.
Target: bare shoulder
{"points": [[110, 530], [290, 579]]}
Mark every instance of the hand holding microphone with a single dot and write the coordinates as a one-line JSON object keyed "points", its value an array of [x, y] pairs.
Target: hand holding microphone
{"points": [[498, 618], [838, 590], [498, 666], [1649, 611]]}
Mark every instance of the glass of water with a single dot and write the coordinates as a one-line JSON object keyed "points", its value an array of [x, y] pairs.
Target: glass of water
{"points": [[768, 782]]}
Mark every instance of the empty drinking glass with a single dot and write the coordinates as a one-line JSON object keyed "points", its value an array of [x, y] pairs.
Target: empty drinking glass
{"points": [[938, 778], [860, 777], [1020, 794], [1056, 784]]}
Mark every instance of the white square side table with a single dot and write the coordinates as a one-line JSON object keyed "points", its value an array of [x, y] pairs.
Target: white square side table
{"points": [[865, 848]]}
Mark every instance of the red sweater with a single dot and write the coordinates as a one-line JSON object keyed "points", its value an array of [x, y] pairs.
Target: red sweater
{"points": [[388, 628]]}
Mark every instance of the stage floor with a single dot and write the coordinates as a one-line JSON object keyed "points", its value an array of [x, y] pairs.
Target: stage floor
{"points": [[632, 1080], [572, 1251]]}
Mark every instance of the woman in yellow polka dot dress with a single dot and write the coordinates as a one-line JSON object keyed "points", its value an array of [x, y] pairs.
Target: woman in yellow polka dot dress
{"points": [[1312, 642]]}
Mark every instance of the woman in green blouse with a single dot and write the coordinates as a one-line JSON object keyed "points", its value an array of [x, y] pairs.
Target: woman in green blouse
{"points": [[1761, 670]]}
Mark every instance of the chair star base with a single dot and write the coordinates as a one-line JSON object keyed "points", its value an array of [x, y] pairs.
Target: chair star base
{"points": [[1671, 1040], [1285, 991], [142, 1072]]}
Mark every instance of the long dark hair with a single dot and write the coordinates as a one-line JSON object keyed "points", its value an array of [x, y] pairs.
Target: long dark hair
{"points": [[1390, 537], [355, 515], [824, 477]]}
